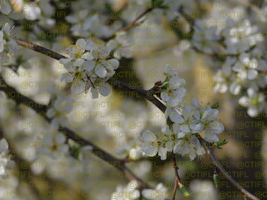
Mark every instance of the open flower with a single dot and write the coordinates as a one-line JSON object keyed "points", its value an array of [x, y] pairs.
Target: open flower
{"points": [[159, 193], [130, 192], [189, 145], [120, 45], [153, 144], [255, 102], [5, 162], [53, 145], [88, 67], [174, 92], [61, 107], [246, 67]]}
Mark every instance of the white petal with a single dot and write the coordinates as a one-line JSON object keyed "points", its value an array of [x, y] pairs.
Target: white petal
{"points": [[211, 138], [114, 63], [176, 127], [78, 62], [55, 123], [176, 117], [72, 19], [197, 128], [10, 164], [150, 151], [169, 146], [196, 102], [5, 7], [60, 138], [175, 82], [253, 111], [94, 93], [101, 71], [100, 53], [244, 101], [3, 145], [77, 87], [81, 43], [163, 153], [149, 136], [185, 128], [104, 89], [65, 60], [1, 35], [252, 74], [87, 56], [164, 96], [89, 65], [181, 135], [1, 46], [66, 77], [6, 28]]}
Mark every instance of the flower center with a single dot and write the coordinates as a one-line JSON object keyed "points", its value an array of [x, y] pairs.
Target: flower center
{"points": [[78, 75]]}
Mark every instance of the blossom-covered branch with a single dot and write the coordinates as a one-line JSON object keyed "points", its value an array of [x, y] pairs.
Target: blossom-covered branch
{"points": [[42, 109], [169, 94]]}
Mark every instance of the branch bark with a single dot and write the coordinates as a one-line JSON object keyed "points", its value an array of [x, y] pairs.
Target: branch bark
{"points": [[148, 94]]}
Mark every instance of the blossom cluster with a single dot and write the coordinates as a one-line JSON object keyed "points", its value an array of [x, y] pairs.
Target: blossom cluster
{"points": [[131, 192], [243, 67], [88, 67], [187, 121], [5, 162], [8, 46]]}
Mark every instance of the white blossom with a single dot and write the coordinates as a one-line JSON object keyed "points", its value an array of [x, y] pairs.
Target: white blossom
{"points": [[255, 102], [5, 162], [159, 193], [246, 68], [130, 192], [88, 67], [53, 145], [189, 145]]}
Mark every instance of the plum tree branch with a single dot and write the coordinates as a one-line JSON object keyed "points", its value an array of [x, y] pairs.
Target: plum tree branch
{"points": [[148, 94], [12, 93]]}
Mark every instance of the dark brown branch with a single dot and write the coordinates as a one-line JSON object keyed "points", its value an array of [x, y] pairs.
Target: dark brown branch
{"points": [[147, 94], [41, 110], [132, 24], [177, 177], [38, 48], [220, 167]]}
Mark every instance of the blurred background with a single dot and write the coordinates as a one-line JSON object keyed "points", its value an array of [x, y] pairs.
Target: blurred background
{"points": [[163, 36]]}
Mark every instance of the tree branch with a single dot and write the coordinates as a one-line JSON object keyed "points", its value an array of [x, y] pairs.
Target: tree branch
{"points": [[220, 167], [41, 110], [177, 177], [147, 94], [132, 24]]}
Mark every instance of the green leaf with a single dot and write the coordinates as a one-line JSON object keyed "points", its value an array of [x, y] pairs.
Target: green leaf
{"points": [[184, 191], [215, 106], [75, 151], [216, 180], [222, 142]]}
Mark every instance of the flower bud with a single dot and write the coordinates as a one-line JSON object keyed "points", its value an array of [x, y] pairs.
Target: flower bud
{"points": [[184, 191]]}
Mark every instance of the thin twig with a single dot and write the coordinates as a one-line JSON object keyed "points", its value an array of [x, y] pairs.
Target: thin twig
{"points": [[38, 48], [19, 99], [220, 167], [42, 109], [132, 24], [177, 177]]}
